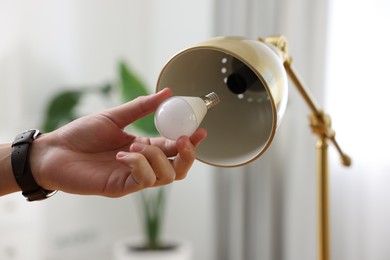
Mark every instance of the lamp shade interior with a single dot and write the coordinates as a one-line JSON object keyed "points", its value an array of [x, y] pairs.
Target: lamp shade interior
{"points": [[242, 126]]}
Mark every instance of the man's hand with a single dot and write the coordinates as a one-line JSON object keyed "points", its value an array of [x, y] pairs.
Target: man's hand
{"points": [[94, 155]]}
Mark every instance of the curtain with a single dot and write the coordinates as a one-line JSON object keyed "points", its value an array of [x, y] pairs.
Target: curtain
{"points": [[358, 93], [267, 209]]}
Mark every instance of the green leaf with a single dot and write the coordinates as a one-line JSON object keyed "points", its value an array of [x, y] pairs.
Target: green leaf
{"points": [[61, 109], [132, 87], [153, 203], [146, 125]]}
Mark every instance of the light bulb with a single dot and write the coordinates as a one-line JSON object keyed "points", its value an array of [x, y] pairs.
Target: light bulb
{"points": [[182, 115]]}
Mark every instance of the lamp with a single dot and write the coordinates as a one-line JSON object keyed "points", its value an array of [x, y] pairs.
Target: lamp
{"points": [[246, 119], [250, 79]]}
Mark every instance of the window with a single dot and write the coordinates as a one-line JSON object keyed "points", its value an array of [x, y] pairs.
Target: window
{"points": [[358, 90]]}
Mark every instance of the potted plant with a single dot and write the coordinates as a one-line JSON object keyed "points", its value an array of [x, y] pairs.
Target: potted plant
{"points": [[62, 109], [152, 246]]}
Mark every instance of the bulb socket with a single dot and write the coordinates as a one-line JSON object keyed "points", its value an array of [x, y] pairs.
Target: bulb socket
{"points": [[211, 100]]}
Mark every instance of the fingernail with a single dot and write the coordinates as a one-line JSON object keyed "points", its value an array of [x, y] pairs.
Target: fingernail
{"points": [[121, 154], [137, 147]]}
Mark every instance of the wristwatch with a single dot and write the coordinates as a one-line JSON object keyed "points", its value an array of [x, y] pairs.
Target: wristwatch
{"points": [[21, 167]]}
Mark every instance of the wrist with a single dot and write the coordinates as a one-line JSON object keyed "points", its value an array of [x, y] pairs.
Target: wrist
{"points": [[38, 152], [23, 163], [7, 180]]}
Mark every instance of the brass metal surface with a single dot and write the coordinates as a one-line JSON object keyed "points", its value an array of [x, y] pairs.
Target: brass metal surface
{"points": [[320, 124]]}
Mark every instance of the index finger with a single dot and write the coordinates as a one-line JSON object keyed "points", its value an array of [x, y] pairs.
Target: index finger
{"points": [[129, 112]]}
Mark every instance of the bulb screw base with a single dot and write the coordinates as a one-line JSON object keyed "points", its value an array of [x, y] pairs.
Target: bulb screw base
{"points": [[211, 100]]}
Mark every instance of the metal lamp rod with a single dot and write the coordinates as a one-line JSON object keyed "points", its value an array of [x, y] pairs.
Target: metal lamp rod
{"points": [[320, 123]]}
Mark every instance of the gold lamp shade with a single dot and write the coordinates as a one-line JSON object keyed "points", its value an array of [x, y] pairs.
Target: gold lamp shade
{"points": [[251, 82]]}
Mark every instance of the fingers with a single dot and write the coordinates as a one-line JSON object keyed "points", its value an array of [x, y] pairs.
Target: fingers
{"points": [[169, 147], [185, 157], [129, 112], [141, 173], [198, 136], [150, 165], [186, 152], [158, 161]]}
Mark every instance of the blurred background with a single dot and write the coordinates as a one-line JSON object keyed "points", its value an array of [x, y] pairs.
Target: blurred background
{"points": [[265, 210]]}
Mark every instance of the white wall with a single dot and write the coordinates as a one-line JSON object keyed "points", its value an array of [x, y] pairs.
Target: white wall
{"points": [[49, 44]]}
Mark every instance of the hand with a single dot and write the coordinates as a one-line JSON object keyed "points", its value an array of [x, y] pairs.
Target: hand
{"points": [[94, 155]]}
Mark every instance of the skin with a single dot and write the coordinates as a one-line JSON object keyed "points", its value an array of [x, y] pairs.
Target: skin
{"points": [[93, 155]]}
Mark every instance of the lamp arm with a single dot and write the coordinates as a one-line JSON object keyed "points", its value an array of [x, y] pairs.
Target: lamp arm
{"points": [[303, 91], [320, 122]]}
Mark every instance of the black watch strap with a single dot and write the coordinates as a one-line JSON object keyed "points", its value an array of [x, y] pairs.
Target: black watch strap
{"points": [[21, 167]]}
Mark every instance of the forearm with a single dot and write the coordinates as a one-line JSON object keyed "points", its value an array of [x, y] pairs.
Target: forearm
{"points": [[7, 179]]}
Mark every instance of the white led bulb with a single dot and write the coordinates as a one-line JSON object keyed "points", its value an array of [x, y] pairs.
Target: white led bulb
{"points": [[182, 115]]}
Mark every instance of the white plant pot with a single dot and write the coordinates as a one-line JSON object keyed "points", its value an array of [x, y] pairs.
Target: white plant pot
{"points": [[128, 249]]}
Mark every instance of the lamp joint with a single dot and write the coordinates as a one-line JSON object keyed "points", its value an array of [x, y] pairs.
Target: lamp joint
{"points": [[280, 42], [320, 124]]}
